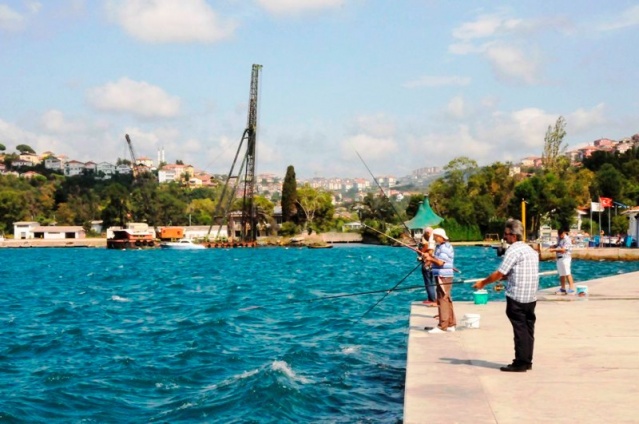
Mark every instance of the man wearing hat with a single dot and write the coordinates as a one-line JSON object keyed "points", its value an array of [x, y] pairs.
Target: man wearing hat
{"points": [[442, 263], [427, 245]]}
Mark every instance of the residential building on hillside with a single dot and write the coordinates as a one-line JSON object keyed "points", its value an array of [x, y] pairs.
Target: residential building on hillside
{"points": [[529, 161], [174, 172], [21, 162], [53, 163], [106, 169], [30, 174], [33, 158], [362, 184], [386, 181], [91, 166], [604, 142], [73, 168], [144, 161], [123, 168]]}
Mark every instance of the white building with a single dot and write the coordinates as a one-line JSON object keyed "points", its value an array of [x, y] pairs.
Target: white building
{"points": [[123, 169], [58, 232], [105, 168], [73, 168], [53, 163], [24, 229]]}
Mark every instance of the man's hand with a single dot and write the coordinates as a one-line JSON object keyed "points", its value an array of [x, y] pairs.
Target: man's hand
{"points": [[478, 285]]}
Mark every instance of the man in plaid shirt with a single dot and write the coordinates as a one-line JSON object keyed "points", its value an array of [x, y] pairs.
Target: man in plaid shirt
{"points": [[520, 267]]}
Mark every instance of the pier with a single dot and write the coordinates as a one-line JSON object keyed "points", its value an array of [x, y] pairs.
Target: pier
{"points": [[585, 366]]}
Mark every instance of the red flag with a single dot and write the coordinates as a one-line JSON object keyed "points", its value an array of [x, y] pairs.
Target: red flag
{"points": [[606, 202]]}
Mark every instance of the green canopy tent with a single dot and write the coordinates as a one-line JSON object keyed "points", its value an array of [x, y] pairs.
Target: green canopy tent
{"points": [[425, 217]]}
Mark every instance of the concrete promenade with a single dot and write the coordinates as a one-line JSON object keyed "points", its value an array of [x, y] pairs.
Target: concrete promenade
{"points": [[585, 370]]}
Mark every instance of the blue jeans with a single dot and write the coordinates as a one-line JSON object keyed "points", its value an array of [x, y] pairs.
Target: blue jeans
{"points": [[429, 283]]}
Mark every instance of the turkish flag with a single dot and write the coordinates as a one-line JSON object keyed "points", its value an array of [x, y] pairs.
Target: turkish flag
{"points": [[606, 202]]}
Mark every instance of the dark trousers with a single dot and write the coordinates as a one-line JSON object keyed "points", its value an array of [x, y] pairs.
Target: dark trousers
{"points": [[522, 317], [429, 283]]}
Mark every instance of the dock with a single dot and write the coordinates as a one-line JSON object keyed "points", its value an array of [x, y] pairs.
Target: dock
{"points": [[585, 367]]}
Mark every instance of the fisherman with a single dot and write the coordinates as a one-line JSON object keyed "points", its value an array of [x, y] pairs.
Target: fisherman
{"points": [[563, 250], [427, 245], [442, 262], [520, 267]]}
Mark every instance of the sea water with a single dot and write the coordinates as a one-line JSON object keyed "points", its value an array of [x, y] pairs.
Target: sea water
{"points": [[263, 335]]}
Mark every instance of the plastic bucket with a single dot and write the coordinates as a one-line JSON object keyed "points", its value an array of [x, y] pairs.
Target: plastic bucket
{"points": [[582, 290], [481, 297], [471, 320]]}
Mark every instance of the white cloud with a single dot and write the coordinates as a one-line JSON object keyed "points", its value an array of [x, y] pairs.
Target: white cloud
{"points": [[169, 21], [515, 60], [585, 120], [10, 20], [628, 18], [33, 6], [457, 107], [293, 7], [375, 125], [512, 64], [437, 81], [487, 26], [372, 147], [55, 122], [12, 135], [135, 97]]}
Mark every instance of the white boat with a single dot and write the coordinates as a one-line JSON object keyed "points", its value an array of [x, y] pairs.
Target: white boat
{"points": [[182, 244]]}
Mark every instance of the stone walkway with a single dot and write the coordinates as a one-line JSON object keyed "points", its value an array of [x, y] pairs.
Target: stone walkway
{"points": [[586, 363]]}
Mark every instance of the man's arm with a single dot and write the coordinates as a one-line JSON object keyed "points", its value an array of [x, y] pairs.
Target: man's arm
{"points": [[495, 276]]}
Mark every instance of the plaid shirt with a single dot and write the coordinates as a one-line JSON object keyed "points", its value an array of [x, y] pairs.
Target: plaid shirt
{"points": [[521, 266], [564, 243]]}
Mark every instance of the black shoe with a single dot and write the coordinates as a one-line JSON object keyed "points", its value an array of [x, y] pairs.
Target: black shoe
{"points": [[516, 368], [428, 328]]}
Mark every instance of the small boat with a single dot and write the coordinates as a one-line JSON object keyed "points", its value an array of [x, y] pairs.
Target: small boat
{"points": [[320, 246], [182, 244], [134, 236]]}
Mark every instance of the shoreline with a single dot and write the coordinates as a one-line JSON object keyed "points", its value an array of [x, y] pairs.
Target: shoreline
{"points": [[585, 253]]}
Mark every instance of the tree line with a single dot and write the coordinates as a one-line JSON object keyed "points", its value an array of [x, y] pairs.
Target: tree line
{"points": [[473, 200]]}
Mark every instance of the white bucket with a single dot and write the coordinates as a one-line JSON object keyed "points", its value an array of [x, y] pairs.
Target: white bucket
{"points": [[470, 320]]}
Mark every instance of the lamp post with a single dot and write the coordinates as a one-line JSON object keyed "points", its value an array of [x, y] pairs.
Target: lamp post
{"points": [[523, 217]]}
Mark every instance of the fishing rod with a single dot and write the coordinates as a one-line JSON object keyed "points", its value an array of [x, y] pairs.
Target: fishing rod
{"points": [[394, 239], [472, 280], [382, 190], [403, 244], [387, 293]]}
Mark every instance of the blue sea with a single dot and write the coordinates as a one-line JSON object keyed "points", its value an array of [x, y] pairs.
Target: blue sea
{"points": [[263, 335]]}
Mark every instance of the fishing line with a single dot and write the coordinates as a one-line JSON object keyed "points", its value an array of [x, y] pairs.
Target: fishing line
{"points": [[383, 192], [387, 293]]}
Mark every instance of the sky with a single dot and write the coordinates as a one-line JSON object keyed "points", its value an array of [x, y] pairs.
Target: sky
{"points": [[406, 84]]}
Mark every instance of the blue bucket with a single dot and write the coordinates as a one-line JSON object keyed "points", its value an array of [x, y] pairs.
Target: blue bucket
{"points": [[481, 297]]}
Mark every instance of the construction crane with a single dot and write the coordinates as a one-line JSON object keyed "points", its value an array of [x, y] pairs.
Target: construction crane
{"points": [[136, 168], [246, 173]]}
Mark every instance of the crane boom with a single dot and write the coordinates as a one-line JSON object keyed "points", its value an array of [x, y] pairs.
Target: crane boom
{"points": [[134, 161], [246, 173]]}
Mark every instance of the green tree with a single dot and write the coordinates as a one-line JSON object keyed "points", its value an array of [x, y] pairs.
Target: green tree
{"points": [[316, 206], [289, 195], [24, 149], [609, 182], [117, 209], [2, 147], [553, 145]]}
